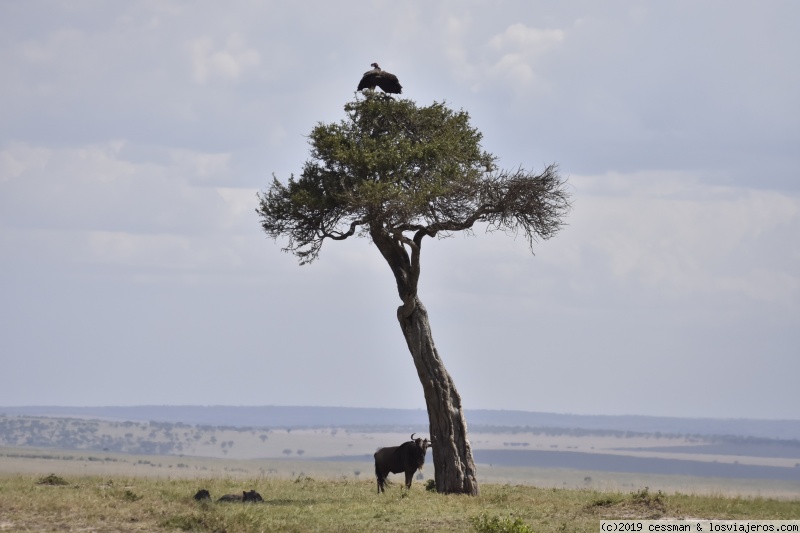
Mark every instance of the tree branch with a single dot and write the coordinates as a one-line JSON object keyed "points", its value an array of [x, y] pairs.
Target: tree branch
{"points": [[508, 201], [338, 236]]}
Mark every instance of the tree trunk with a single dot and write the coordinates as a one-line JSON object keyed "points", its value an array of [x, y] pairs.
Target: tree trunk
{"points": [[452, 454]]}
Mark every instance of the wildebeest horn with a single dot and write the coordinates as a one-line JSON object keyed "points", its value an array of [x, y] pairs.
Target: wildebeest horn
{"points": [[412, 436]]}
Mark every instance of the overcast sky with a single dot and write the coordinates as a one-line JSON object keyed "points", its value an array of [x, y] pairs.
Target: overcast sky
{"points": [[135, 135]]}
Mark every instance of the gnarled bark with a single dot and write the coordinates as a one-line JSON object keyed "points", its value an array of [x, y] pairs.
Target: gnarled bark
{"points": [[452, 454]]}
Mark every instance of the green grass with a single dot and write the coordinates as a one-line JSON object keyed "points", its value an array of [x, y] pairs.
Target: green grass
{"points": [[92, 503]]}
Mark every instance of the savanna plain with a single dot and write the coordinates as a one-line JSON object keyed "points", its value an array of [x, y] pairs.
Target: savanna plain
{"points": [[99, 476], [116, 493]]}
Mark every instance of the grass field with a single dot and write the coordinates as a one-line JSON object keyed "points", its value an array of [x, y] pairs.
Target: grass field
{"points": [[118, 492], [116, 504]]}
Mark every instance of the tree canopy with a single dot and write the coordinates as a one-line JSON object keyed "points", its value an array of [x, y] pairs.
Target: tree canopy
{"points": [[397, 168]]}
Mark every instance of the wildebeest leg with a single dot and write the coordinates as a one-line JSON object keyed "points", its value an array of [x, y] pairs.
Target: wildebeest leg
{"points": [[409, 478]]}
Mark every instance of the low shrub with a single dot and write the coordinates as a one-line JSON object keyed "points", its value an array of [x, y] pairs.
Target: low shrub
{"points": [[52, 479], [494, 524]]}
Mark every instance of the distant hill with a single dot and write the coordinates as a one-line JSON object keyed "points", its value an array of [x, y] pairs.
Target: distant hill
{"points": [[309, 417]]}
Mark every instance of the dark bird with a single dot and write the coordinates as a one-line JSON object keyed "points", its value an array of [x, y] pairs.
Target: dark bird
{"points": [[380, 78]]}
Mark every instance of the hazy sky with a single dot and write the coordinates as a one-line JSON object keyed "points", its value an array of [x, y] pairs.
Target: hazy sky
{"points": [[135, 135]]}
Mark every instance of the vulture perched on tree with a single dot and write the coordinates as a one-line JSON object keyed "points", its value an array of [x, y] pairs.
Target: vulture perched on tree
{"points": [[380, 78]]}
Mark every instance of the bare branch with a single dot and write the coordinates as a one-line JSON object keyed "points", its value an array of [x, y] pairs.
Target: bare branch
{"points": [[534, 204]]}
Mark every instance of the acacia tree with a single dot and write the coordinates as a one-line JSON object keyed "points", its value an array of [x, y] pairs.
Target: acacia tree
{"points": [[396, 174]]}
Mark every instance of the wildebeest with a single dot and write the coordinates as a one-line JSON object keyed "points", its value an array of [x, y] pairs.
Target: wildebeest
{"points": [[202, 494], [408, 457], [247, 496]]}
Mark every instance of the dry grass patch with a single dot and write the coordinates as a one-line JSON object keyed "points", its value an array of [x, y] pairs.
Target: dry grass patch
{"points": [[117, 504]]}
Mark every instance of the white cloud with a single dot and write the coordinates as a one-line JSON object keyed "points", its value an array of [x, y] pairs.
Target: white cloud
{"points": [[509, 58], [55, 48], [202, 166], [240, 204], [658, 239], [145, 223], [113, 207], [228, 63], [180, 258], [672, 232], [530, 41], [19, 158], [456, 29]]}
